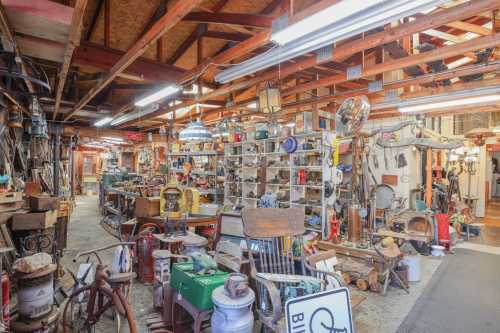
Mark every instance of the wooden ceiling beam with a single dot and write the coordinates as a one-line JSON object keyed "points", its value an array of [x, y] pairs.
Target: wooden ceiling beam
{"points": [[339, 53], [75, 31], [102, 58], [246, 20], [186, 44], [228, 36], [168, 21], [93, 22], [369, 41], [296, 106], [195, 34], [469, 27], [416, 59]]}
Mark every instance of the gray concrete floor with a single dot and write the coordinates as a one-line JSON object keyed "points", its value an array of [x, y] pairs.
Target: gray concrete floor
{"points": [[85, 233]]}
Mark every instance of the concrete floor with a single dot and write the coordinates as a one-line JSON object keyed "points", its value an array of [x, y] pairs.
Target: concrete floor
{"points": [[85, 233], [376, 314]]}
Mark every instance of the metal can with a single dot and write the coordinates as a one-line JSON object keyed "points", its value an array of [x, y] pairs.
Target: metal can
{"points": [[162, 275], [35, 295]]}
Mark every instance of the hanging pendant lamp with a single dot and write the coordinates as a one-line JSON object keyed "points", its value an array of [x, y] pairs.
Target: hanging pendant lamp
{"points": [[195, 131]]}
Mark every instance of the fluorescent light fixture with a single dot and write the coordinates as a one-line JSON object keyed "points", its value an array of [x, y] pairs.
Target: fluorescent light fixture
{"points": [[252, 105], [427, 102], [112, 138], [459, 62], [159, 95], [328, 16], [208, 106], [291, 125], [319, 34], [138, 113], [449, 104], [103, 121]]}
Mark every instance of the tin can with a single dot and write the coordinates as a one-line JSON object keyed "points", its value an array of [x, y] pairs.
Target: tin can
{"points": [[162, 275]]}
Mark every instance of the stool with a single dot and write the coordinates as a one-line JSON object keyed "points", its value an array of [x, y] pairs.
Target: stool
{"points": [[199, 316], [473, 226]]}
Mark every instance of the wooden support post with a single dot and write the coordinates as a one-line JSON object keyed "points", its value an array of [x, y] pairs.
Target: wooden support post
{"points": [[428, 179]]}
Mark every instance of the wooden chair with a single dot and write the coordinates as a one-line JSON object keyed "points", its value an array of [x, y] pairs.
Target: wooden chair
{"points": [[270, 234]]}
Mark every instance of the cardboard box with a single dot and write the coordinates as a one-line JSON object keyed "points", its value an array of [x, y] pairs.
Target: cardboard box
{"points": [[34, 221], [147, 207], [41, 203]]}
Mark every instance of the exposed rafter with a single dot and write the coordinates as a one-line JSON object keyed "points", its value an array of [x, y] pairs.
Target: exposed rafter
{"points": [[200, 29], [168, 21], [246, 20], [73, 41]]}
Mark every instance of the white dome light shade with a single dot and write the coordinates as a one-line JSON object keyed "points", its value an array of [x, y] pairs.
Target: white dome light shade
{"points": [[195, 132]]}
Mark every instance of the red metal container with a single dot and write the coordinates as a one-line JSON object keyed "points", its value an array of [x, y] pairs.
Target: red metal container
{"points": [[443, 221], [5, 299], [145, 269]]}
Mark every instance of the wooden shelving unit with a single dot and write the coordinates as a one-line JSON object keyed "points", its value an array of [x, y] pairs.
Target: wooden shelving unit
{"points": [[254, 168]]}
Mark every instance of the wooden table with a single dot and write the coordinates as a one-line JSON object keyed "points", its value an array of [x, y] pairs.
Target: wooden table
{"points": [[192, 220]]}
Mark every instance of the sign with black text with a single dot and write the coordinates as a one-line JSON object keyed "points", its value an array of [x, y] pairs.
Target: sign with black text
{"points": [[325, 312]]}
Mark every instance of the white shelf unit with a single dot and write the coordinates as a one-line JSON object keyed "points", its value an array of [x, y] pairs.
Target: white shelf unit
{"points": [[245, 163], [215, 161]]}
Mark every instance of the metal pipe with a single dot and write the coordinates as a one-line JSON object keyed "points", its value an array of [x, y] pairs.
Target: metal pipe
{"points": [[56, 157]]}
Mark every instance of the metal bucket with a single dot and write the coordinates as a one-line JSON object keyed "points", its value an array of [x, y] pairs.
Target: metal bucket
{"points": [[162, 275], [232, 315], [35, 295]]}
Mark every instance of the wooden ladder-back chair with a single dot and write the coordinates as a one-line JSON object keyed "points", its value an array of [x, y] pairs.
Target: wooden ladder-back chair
{"points": [[270, 235]]}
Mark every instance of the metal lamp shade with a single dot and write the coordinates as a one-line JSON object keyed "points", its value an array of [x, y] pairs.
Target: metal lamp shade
{"points": [[195, 131]]}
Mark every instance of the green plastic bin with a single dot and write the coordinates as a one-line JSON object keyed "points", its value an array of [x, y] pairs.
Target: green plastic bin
{"points": [[197, 289]]}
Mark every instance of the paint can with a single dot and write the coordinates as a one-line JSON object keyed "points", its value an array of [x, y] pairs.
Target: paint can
{"points": [[35, 295], [232, 315], [162, 275]]}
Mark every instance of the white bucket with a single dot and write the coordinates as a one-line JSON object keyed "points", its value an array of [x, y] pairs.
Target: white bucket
{"points": [[414, 267], [35, 298]]}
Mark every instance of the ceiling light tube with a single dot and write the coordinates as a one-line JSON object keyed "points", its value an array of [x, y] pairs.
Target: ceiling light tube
{"points": [[450, 104], [379, 14], [159, 95], [103, 121], [323, 18], [432, 99]]}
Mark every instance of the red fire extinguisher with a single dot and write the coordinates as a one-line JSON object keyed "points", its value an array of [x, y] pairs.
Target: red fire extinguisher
{"points": [[145, 270], [334, 230], [5, 299]]}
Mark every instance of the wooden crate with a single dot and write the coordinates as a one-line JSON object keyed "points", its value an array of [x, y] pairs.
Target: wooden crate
{"points": [[34, 221], [10, 197], [11, 206], [41, 203], [147, 207]]}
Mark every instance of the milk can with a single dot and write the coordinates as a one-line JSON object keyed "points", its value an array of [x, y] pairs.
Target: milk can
{"points": [[35, 295], [194, 244], [162, 275], [232, 315]]}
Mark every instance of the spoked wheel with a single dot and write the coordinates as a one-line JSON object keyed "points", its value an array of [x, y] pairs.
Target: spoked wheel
{"points": [[105, 312]]}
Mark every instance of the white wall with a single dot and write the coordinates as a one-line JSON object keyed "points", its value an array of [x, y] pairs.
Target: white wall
{"points": [[409, 177]]}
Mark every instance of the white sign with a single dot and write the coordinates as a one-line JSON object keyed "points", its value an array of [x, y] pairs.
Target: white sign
{"points": [[324, 312]]}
